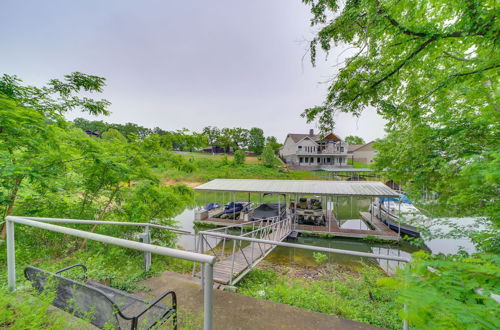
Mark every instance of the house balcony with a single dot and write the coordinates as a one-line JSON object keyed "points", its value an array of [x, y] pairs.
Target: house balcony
{"points": [[321, 152]]}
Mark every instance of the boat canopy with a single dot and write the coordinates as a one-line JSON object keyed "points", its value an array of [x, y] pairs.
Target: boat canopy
{"points": [[301, 187]]}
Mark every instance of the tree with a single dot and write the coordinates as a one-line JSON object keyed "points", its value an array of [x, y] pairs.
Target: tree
{"points": [[213, 135], [431, 69], [114, 135], [96, 126], [238, 137], [433, 75], [268, 157], [256, 140], [239, 157], [273, 142], [351, 139], [58, 96], [32, 147]]}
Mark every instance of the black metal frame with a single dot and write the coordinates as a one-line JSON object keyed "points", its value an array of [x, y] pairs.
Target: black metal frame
{"points": [[135, 318]]}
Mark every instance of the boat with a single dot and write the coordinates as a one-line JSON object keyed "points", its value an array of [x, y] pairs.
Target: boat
{"points": [[266, 211], [397, 214], [310, 212], [212, 206], [236, 207]]}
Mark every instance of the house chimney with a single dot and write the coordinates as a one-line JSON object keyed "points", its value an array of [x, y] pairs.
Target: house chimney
{"points": [[311, 132]]}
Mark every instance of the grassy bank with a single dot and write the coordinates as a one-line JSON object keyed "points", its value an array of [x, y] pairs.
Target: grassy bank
{"points": [[205, 167], [329, 289]]}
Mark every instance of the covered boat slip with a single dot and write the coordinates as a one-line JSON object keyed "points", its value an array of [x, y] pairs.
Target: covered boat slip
{"points": [[291, 193]]}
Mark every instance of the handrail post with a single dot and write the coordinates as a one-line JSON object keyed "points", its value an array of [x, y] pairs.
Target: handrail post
{"points": [[208, 296], [11, 255], [224, 244], [202, 250], [232, 262]]}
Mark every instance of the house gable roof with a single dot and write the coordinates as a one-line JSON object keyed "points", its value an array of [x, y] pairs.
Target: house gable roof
{"points": [[355, 147], [315, 137]]}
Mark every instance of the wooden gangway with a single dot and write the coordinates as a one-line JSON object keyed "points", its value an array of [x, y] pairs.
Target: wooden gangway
{"points": [[231, 266]]}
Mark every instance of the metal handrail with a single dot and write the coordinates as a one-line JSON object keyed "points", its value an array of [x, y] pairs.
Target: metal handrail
{"points": [[313, 248], [235, 225], [101, 222], [208, 261]]}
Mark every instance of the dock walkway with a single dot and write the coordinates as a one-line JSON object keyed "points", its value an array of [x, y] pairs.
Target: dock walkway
{"points": [[229, 269], [225, 271]]}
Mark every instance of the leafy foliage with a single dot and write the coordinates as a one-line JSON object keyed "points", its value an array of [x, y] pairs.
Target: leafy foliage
{"points": [[351, 139], [29, 310], [57, 97], [239, 157], [450, 293], [431, 69], [268, 157], [347, 296]]}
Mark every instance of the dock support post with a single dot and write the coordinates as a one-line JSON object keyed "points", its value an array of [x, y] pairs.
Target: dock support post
{"points": [[399, 220], [11, 256], [208, 296], [351, 207]]}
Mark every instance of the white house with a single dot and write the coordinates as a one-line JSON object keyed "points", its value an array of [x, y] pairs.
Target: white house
{"points": [[313, 151]]}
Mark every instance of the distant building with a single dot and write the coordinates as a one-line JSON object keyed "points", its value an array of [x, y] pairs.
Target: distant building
{"points": [[312, 151], [218, 150], [363, 153], [91, 133]]}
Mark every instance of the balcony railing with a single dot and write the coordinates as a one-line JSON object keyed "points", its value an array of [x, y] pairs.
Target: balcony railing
{"points": [[322, 152]]}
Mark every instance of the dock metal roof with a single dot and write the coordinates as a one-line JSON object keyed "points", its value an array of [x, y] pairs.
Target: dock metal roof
{"points": [[344, 170], [301, 187]]}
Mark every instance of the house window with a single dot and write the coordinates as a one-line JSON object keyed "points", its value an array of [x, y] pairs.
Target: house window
{"points": [[318, 160], [341, 149], [301, 160], [300, 148]]}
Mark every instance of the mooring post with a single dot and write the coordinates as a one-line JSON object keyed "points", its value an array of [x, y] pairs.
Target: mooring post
{"points": [[11, 255]]}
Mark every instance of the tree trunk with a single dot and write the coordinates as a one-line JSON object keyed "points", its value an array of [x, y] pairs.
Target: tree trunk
{"points": [[101, 215], [10, 208]]}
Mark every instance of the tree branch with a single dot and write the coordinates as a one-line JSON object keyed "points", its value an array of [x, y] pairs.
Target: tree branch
{"points": [[397, 68]]}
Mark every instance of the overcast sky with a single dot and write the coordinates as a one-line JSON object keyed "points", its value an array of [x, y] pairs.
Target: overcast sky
{"points": [[175, 64]]}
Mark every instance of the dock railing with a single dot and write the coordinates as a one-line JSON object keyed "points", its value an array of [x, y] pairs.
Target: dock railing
{"points": [[263, 242], [273, 228], [42, 223]]}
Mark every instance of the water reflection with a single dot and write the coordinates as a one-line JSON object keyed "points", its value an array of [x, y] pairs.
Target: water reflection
{"points": [[295, 256]]}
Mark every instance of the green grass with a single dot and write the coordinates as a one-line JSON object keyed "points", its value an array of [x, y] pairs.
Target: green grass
{"points": [[207, 167], [351, 296], [358, 164]]}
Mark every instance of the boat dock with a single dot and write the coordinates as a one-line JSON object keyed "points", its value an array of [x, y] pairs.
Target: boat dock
{"points": [[331, 227], [258, 238]]}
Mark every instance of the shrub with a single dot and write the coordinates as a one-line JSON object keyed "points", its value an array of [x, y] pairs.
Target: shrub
{"points": [[239, 157]]}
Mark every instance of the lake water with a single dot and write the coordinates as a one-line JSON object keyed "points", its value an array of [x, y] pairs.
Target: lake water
{"points": [[348, 214]]}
